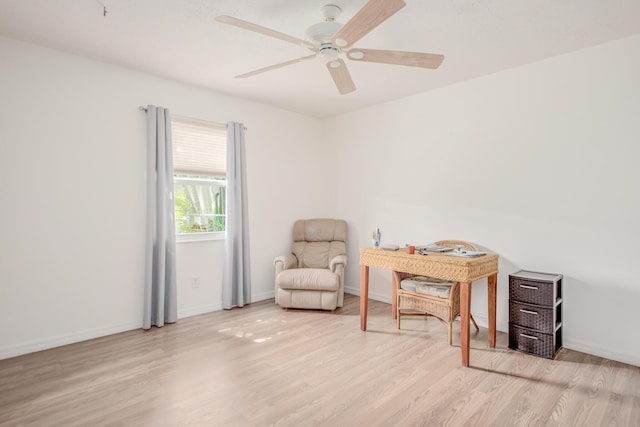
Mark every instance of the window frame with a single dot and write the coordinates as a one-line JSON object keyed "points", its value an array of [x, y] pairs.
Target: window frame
{"points": [[200, 236]]}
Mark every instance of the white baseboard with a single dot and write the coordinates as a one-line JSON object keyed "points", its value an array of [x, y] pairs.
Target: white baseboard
{"points": [[352, 291], [596, 350], [263, 296], [216, 307], [372, 295], [568, 343], [483, 322], [47, 343], [60, 340], [196, 311]]}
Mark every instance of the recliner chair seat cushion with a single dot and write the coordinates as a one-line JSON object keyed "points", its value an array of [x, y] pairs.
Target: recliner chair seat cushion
{"points": [[318, 279]]}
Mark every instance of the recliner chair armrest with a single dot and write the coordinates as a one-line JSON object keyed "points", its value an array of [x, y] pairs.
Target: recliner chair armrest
{"points": [[285, 262], [338, 260]]}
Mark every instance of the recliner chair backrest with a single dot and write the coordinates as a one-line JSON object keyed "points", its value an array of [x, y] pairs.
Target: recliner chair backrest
{"points": [[317, 241]]}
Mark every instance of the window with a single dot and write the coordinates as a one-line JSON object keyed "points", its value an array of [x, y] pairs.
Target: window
{"points": [[199, 165]]}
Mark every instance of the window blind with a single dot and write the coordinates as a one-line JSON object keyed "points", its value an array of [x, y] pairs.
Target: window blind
{"points": [[199, 147]]}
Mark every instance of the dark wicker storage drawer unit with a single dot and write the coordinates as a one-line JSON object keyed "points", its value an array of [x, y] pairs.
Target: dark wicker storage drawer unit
{"points": [[535, 313]]}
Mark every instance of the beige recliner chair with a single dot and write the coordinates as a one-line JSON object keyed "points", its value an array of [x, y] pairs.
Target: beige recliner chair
{"points": [[312, 276]]}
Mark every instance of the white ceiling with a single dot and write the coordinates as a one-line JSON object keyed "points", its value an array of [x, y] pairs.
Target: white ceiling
{"points": [[179, 39]]}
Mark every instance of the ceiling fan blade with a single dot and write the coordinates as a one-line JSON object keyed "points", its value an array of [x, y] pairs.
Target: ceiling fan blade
{"points": [[341, 76], [369, 17], [230, 20], [273, 67], [396, 57]]}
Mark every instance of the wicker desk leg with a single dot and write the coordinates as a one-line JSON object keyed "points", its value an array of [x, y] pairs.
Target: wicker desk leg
{"points": [[492, 282], [364, 296], [465, 310], [394, 295]]}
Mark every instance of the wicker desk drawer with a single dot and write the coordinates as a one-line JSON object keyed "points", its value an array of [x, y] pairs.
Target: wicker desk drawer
{"points": [[531, 291], [533, 342]]}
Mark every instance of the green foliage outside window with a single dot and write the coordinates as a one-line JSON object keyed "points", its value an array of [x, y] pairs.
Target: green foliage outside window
{"points": [[199, 204]]}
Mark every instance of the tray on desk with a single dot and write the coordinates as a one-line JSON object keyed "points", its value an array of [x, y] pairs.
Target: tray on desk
{"points": [[467, 254], [433, 248]]}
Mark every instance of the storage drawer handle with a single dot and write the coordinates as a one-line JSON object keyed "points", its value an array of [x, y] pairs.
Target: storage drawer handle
{"points": [[522, 310], [529, 287], [529, 336]]}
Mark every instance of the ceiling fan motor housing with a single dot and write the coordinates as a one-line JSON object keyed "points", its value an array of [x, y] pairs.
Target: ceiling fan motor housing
{"points": [[322, 32]]}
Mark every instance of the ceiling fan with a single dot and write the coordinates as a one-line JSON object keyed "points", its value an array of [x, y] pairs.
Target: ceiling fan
{"points": [[331, 39]]}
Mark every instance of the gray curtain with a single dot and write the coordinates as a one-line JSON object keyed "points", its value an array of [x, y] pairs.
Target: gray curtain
{"points": [[236, 282], [160, 302]]}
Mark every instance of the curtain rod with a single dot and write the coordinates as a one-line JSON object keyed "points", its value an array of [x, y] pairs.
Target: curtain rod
{"points": [[141, 108]]}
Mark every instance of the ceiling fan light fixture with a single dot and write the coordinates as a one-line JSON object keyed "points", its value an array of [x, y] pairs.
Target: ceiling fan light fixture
{"points": [[329, 52]]}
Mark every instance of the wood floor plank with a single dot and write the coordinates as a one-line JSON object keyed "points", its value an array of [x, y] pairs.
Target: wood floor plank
{"points": [[624, 390], [264, 366]]}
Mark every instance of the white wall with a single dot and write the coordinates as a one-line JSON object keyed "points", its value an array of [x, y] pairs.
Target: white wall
{"points": [[537, 163], [72, 186]]}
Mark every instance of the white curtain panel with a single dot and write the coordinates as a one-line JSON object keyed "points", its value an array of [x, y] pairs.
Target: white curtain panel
{"points": [[236, 282], [160, 296]]}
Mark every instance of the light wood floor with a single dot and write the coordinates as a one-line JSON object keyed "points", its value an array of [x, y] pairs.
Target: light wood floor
{"points": [[262, 366]]}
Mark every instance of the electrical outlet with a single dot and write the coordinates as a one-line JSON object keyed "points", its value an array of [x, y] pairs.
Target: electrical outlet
{"points": [[195, 282]]}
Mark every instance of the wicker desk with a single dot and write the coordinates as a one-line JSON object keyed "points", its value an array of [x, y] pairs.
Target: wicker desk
{"points": [[459, 269]]}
